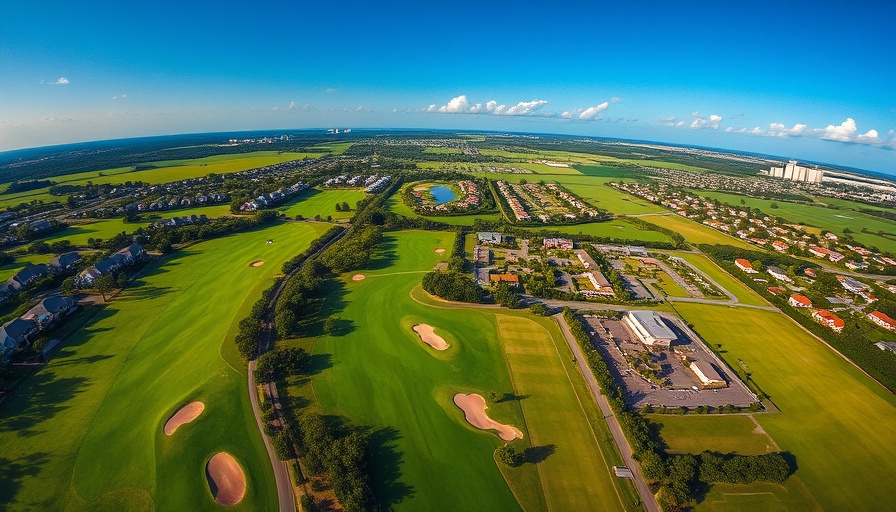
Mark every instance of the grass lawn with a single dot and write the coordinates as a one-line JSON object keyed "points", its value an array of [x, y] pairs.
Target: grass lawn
{"points": [[162, 343], [379, 374], [743, 293], [721, 433], [836, 421], [695, 232], [617, 228], [668, 285], [323, 202], [612, 200], [822, 217]]}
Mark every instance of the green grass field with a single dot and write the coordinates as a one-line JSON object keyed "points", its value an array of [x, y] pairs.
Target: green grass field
{"points": [[379, 374], [720, 433], [85, 432], [617, 228], [695, 232], [836, 421], [743, 293], [323, 202], [396, 205], [822, 217]]}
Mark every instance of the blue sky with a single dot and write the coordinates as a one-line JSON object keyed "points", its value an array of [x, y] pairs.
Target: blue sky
{"points": [[799, 80]]}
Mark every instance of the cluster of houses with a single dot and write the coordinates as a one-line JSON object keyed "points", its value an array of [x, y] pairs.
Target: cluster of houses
{"points": [[558, 243], [470, 199], [519, 211], [19, 332], [175, 222], [755, 227], [33, 273], [123, 258], [573, 200], [358, 180], [274, 198], [379, 185]]}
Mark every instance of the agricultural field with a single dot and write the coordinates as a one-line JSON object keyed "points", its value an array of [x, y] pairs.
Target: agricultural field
{"points": [[822, 217], [410, 409], [834, 419], [323, 202], [157, 346]]}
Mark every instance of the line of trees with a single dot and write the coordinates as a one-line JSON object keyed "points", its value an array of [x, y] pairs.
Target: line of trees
{"points": [[676, 479], [248, 338], [315, 246]]}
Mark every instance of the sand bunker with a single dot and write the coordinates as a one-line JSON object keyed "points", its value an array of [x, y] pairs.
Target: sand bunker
{"points": [[474, 408], [439, 250], [429, 337], [256, 263], [358, 277], [226, 479], [186, 414]]}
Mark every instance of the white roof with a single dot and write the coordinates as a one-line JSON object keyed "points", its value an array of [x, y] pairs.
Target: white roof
{"points": [[653, 323]]}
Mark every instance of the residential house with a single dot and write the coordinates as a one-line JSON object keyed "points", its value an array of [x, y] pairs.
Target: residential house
{"points": [[558, 243], [799, 301], [26, 276], [882, 320], [490, 237], [828, 319], [50, 310], [511, 279], [15, 335], [779, 274], [745, 265], [64, 262]]}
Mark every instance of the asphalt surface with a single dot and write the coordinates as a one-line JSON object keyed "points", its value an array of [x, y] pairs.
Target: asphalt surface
{"points": [[647, 498]]}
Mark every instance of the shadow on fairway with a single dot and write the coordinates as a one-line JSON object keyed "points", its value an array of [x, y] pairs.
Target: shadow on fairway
{"points": [[319, 363], [386, 468], [17, 470], [331, 303], [385, 256], [511, 397], [537, 454]]}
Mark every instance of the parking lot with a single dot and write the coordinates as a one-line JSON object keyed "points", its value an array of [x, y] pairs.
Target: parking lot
{"points": [[614, 339]]}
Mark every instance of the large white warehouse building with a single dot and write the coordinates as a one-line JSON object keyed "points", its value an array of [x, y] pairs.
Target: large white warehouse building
{"points": [[650, 328]]}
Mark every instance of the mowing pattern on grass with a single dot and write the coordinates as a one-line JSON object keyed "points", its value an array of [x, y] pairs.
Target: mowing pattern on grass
{"points": [[834, 419], [161, 342], [323, 202]]}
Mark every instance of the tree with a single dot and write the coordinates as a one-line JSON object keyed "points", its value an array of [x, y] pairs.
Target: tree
{"points": [[510, 457], [103, 284], [773, 206], [338, 207], [331, 325], [758, 266]]}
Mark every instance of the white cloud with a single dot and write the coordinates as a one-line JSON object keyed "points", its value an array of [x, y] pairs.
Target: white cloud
{"points": [[292, 105], [696, 114], [869, 138], [843, 133], [680, 123], [706, 122], [615, 99], [592, 112], [525, 107], [61, 81], [755, 131], [456, 105], [331, 90], [778, 129], [123, 96]]}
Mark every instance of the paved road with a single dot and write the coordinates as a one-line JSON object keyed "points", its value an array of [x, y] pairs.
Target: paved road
{"points": [[573, 304], [625, 449], [281, 473]]}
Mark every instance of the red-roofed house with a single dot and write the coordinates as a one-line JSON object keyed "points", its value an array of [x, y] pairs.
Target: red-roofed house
{"points": [[777, 290], [799, 301], [779, 246], [882, 320], [745, 265], [828, 319], [510, 279], [820, 252]]}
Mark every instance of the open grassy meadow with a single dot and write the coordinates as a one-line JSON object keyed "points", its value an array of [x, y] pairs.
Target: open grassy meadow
{"points": [[323, 202], [822, 217], [617, 228], [836, 421], [744, 294], [379, 374], [721, 433], [694, 231], [85, 432]]}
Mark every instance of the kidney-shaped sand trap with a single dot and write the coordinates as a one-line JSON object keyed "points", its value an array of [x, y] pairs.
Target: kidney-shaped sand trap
{"points": [[184, 415], [256, 263], [358, 277], [474, 408], [429, 337], [225, 479]]}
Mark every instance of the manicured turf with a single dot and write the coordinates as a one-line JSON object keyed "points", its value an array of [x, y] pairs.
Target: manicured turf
{"points": [[85, 432], [618, 229], [821, 216], [379, 374], [714, 432], [743, 293], [695, 232], [612, 200], [836, 421], [323, 202]]}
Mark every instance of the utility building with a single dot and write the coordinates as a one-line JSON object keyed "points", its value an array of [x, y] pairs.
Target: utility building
{"points": [[650, 328]]}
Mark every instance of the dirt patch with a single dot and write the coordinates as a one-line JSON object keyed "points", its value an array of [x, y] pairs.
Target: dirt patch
{"points": [[428, 336], [184, 415], [358, 277], [474, 408], [225, 479], [256, 263], [439, 250]]}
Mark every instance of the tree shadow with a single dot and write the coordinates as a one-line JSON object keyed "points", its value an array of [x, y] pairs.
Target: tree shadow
{"points": [[511, 397], [318, 363], [15, 471], [538, 454], [385, 255], [386, 474], [40, 398]]}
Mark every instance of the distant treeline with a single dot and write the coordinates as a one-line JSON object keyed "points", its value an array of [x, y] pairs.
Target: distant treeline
{"points": [[24, 186]]}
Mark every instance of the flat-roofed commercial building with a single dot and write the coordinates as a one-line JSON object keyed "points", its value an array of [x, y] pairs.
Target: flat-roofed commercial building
{"points": [[650, 328]]}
